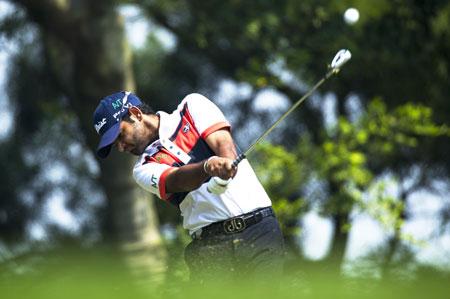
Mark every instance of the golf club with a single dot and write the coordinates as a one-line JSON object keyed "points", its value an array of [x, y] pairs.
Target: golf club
{"points": [[217, 184]]}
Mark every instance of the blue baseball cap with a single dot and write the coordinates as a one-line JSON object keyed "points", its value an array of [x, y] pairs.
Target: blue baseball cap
{"points": [[107, 117]]}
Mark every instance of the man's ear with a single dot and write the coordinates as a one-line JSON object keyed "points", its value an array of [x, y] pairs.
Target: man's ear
{"points": [[136, 112]]}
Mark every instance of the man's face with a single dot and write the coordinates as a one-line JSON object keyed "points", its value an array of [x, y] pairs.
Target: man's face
{"points": [[134, 137]]}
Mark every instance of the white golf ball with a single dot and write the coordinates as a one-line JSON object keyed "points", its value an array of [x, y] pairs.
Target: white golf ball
{"points": [[351, 15]]}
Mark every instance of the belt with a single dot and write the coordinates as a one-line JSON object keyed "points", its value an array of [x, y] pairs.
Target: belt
{"points": [[233, 225]]}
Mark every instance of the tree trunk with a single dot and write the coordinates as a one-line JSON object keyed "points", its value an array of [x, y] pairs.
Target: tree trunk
{"points": [[393, 243], [90, 58], [339, 241], [340, 218]]}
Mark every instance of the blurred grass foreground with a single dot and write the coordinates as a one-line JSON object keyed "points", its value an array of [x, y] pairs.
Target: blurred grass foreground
{"points": [[102, 273]]}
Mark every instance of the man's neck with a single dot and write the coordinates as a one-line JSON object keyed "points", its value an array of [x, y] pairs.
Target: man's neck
{"points": [[152, 122]]}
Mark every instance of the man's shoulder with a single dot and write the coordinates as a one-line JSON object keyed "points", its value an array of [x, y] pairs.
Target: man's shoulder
{"points": [[193, 98]]}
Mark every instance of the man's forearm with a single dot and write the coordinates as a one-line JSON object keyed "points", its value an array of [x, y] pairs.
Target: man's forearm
{"points": [[190, 177], [222, 144], [226, 150], [186, 178]]}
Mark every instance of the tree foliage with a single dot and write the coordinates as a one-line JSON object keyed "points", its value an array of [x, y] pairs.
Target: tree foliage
{"points": [[349, 158]]}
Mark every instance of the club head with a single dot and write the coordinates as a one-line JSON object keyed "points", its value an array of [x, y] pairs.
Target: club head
{"points": [[340, 59]]}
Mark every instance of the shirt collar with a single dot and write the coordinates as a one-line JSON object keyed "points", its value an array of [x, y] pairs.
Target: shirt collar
{"points": [[168, 123]]}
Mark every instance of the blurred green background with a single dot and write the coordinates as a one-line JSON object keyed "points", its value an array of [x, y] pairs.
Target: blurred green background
{"points": [[359, 174]]}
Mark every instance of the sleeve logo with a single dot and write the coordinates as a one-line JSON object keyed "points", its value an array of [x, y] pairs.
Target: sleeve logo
{"points": [[154, 181]]}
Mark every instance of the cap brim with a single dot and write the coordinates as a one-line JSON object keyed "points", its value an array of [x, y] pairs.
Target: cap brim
{"points": [[107, 140]]}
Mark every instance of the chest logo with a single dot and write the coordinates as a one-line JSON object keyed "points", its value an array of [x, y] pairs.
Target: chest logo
{"points": [[161, 156], [186, 128]]}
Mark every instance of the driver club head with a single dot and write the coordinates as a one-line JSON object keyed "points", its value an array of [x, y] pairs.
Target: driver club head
{"points": [[340, 59]]}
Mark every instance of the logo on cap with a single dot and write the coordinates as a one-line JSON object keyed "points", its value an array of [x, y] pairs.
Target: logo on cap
{"points": [[124, 106], [117, 103], [99, 125]]}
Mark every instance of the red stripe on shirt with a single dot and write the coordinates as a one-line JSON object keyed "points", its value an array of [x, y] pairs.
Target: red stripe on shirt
{"points": [[214, 128], [162, 183], [188, 135], [186, 140], [187, 115]]}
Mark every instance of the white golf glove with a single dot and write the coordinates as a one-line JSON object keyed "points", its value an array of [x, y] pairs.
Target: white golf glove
{"points": [[217, 185]]}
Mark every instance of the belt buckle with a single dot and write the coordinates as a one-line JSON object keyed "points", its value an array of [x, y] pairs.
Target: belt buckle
{"points": [[234, 225]]}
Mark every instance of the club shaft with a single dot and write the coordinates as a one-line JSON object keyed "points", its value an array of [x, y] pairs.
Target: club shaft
{"points": [[293, 107]]}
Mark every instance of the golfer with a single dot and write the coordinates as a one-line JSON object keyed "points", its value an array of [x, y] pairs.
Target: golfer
{"points": [[233, 226]]}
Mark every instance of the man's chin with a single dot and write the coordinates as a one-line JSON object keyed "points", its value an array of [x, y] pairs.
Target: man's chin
{"points": [[136, 152]]}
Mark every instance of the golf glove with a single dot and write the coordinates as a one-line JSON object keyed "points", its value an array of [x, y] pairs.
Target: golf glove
{"points": [[217, 185]]}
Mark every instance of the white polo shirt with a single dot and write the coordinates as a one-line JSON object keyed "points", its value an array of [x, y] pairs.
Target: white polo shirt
{"points": [[182, 141]]}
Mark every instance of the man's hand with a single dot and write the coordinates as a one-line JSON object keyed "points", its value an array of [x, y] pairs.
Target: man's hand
{"points": [[192, 176], [220, 167]]}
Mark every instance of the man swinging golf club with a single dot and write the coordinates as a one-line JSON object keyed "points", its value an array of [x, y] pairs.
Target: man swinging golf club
{"points": [[233, 232], [188, 158]]}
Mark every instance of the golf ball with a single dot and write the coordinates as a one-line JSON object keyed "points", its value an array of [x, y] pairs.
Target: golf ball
{"points": [[351, 15]]}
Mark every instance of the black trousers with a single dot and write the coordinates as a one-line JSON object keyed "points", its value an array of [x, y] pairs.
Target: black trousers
{"points": [[254, 253]]}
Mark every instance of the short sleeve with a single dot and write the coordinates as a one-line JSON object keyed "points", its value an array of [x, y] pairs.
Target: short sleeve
{"points": [[151, 176], [206, 116]]}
